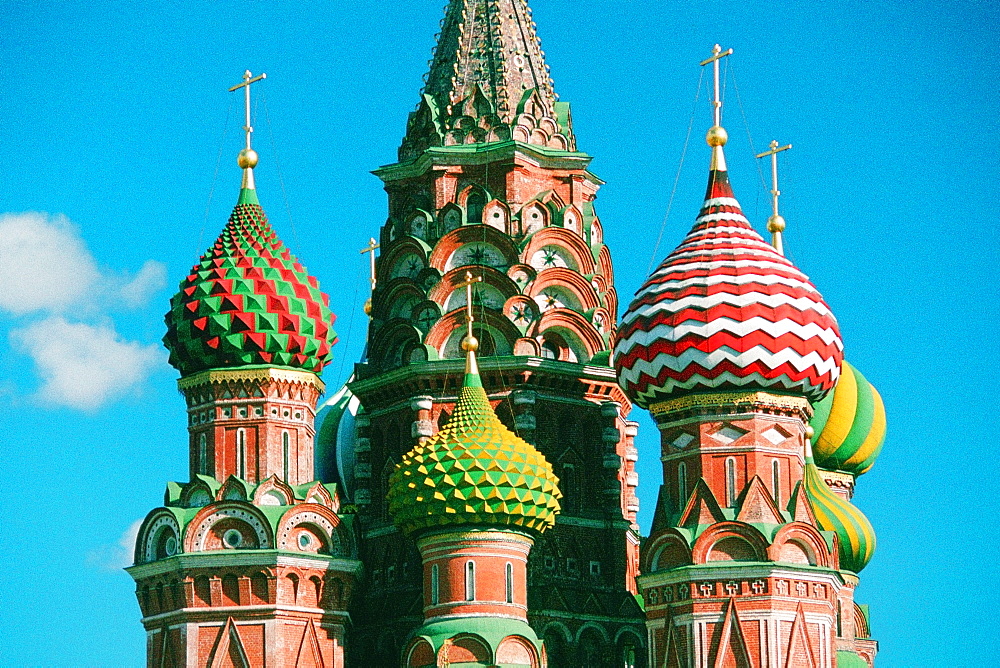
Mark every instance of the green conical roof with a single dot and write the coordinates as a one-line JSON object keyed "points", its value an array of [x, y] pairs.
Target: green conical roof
{"points": [[474, 471], [249, 301]]}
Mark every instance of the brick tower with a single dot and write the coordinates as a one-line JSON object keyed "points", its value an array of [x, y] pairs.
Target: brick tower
{"points": [[489, 177], [753, 558], [249, 563]]}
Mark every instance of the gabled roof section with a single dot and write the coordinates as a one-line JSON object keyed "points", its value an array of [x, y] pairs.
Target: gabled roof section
{"points": [[488, 82]]}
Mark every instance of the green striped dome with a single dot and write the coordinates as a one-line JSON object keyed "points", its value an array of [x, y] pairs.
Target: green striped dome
{"points": [[850, 424], [857, 537], [474, 471]]}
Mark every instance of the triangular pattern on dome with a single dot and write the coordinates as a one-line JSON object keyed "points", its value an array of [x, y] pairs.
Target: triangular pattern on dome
{"points": [[725, 310], [249, 301], [488, 82], [474, 471]]}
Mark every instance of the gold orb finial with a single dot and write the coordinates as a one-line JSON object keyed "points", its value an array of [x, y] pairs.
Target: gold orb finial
{"points": [[810, 432], [368, 307], [247, 159], [470, 344], [717, 136], [775, 224]]}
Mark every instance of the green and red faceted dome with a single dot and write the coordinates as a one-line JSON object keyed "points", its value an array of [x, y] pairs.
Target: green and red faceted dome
{"points": [[248, 301]]}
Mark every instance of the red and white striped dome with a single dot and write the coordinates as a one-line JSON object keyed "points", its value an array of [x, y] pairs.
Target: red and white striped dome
{"points": [[726, 311]]}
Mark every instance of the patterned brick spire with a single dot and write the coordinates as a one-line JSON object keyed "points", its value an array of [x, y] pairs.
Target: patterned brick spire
{"points": [[249, 301], [725, 310], [488, 81]]}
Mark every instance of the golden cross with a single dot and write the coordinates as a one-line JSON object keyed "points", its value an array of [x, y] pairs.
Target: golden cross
{"points": [[370, 248], [775, 224], [470, 280], [717, 55], [248, 79]]}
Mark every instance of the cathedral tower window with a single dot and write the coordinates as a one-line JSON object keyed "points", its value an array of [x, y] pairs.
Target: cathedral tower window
{"points": [[510, 583], [241, 453], [435, 585], [203, 454], [285, 453], [682, 492], [776, 480], [470, 581], [730, 482]]}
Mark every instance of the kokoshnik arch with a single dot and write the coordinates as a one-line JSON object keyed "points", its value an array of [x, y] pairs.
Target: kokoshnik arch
{"points": [[468, 497]]}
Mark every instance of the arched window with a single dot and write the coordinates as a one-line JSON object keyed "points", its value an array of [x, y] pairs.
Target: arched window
{"points": [[241, 453], [682, 485], [776, 480], [470, 581], [730, 482], [285, 453], [510, 583], [203, 454], [435, 585]]}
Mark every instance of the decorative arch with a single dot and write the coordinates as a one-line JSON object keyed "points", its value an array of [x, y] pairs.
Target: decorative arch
{"points": [[499, 285], [801, 540], [562, 238], [233, 489], [534, 217], [522, 275], [397, 299], [578, 332], [668, 549], [388, 341], [596, 233], [473, 198], [518, 651], [206, 530], [447, 333], [420, 654], [197, 494], [273, 492], [312, 528], [730, 541], [605, 266], [449, 244], [569, 282], [451, 217], [497, 215], [152, 542], [521, 310], [466, 648], [419, 224], [572, 220]]}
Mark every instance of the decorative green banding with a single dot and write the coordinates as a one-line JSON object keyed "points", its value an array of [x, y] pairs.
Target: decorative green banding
{"points": [[474, 471], [850, 424], [855, 532], [249, 301]]}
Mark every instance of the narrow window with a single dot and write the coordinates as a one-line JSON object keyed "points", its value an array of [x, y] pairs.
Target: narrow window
{"points": [[241, 453], [510, 583], [435, 583], [731, 482], [285, 451], [203, 454], [470, 581], [682, 485], [776, 480]]}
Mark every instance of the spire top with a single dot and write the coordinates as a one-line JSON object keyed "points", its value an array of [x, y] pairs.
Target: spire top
{"points": [[717, 135], [247, 159], [775, 224], [370, 248]]}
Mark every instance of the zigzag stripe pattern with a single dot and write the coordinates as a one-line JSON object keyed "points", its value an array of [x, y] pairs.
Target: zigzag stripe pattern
{"points": [[725, 310], [249, 301]]}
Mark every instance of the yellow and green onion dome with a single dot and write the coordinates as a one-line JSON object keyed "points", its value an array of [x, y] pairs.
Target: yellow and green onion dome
{"points": [[854, 532], [248, 301], [474, 472], [850, 424]]}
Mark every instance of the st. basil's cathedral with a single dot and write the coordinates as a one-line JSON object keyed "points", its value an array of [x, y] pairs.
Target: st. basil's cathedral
{"points": [[469, 496]]}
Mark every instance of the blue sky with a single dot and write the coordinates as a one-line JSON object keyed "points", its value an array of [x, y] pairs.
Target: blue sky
{"points": [[118, 143]]}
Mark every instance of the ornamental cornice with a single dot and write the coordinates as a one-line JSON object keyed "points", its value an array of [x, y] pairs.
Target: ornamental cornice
{"points": [[765, 401], [250, 374]]}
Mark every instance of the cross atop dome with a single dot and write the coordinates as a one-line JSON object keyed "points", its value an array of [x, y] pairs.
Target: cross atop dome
{"points": [[247, 158]]}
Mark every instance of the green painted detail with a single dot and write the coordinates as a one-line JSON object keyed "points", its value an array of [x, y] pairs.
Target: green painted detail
{"points": [[249, 301], [847, 659], [474, 471], [855, 534], [490, 630], [850, 424]]}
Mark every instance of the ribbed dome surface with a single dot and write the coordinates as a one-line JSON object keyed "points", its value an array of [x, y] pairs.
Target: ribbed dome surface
{"points": [[249, 301], [726, 311], [474, 471], [855, 532], [850, 424]]}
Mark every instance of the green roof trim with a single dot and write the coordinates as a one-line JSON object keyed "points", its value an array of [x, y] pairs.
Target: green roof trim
{"points": [[847, 659], [492, 630]]}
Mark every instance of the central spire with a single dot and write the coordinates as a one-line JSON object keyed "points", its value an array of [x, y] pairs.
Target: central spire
{"points": [[488, 82]]}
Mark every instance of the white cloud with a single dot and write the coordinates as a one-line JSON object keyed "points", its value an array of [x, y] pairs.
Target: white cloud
{"points": [[150, 279], [118, 555], [84, 366], [44, 264]]}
